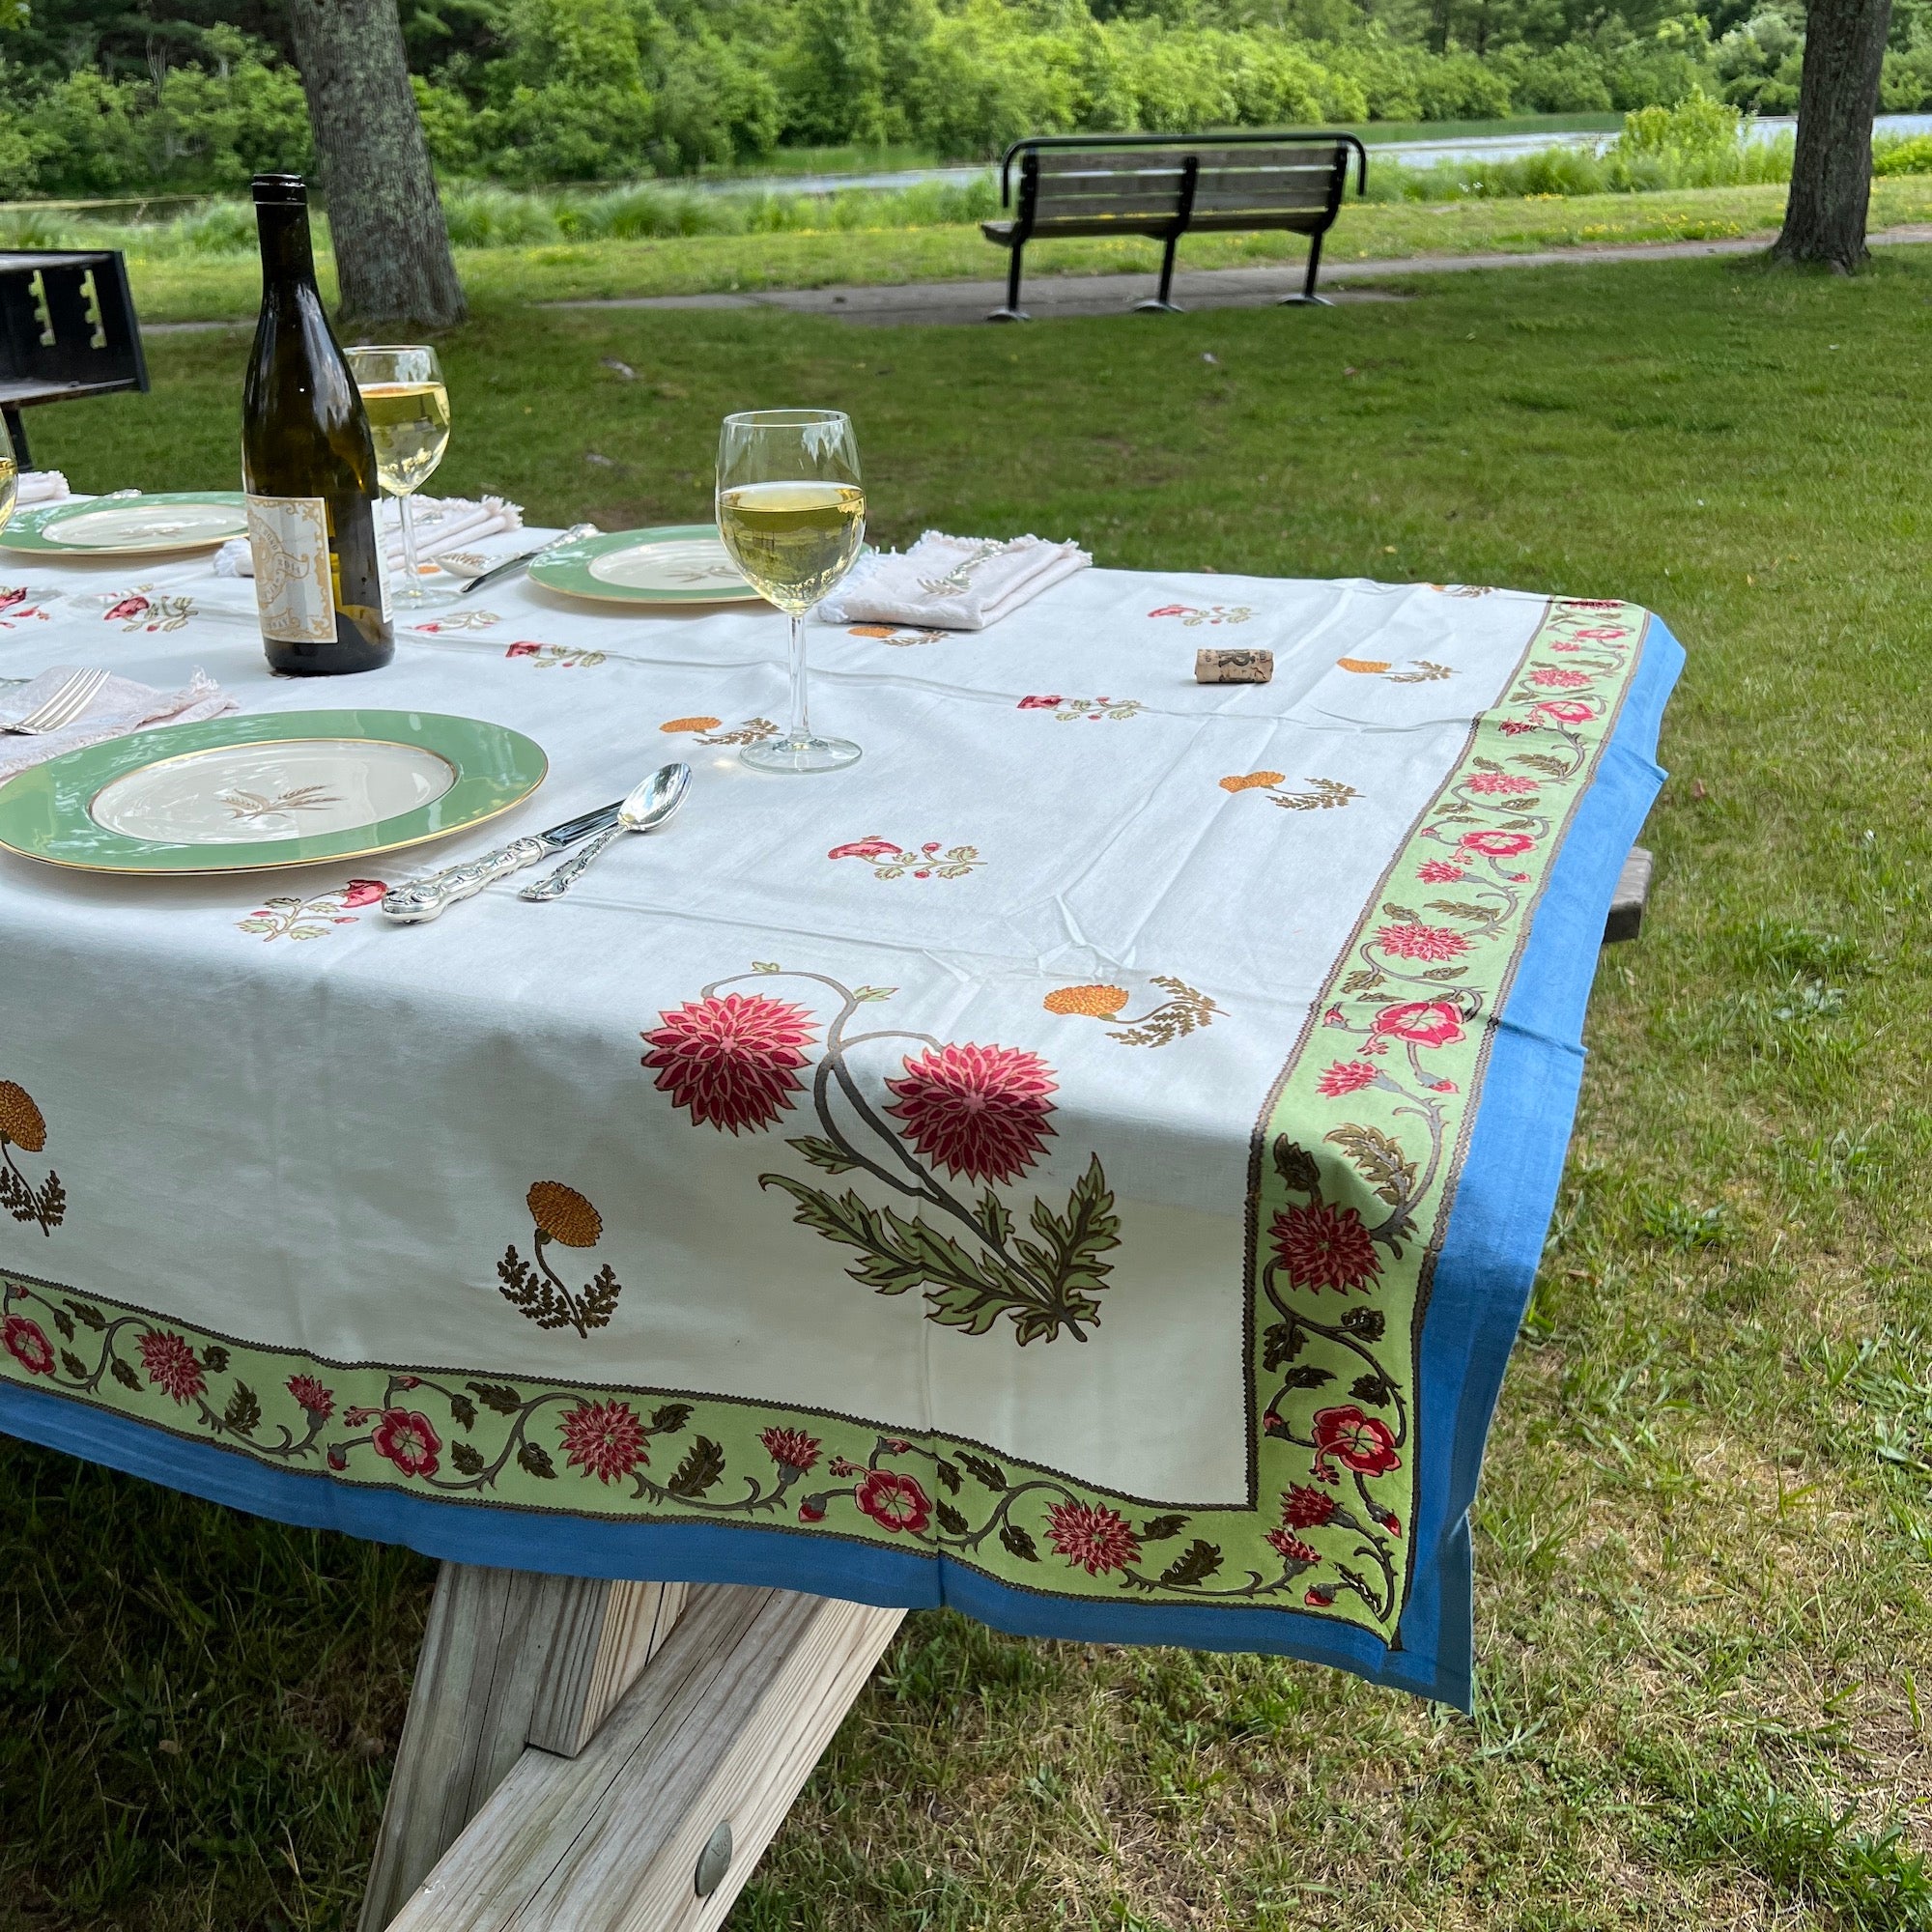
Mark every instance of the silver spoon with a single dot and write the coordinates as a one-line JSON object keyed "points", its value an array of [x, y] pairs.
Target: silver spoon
{"points": [[647, 808]]}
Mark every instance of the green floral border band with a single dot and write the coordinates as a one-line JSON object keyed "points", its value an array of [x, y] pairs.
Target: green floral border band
{"points": [[1354, 1163]]}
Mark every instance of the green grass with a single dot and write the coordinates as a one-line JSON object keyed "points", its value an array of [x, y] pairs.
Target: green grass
{"points": [[1706, 1529], [210, 288]]}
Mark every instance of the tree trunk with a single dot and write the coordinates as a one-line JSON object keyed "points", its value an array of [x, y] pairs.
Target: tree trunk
{"points": [[392, 254], [1830, 171]]}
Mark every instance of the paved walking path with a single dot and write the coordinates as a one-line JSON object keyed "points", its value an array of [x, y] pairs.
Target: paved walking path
{"points": [[1048, 295]]}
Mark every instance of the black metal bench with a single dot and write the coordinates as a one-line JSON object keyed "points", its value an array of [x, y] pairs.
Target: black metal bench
{"points": [[1163, 187]]}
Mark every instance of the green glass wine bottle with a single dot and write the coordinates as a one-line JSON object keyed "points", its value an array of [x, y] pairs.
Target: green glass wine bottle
{"points": [[308, 465]]}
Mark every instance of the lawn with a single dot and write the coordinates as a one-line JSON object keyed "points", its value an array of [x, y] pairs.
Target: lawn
{"points": [[217, 286], [1706, 1530]]}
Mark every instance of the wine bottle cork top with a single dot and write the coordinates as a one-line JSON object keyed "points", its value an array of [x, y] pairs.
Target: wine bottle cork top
{"points": [[280, 190], [1233, 667]]}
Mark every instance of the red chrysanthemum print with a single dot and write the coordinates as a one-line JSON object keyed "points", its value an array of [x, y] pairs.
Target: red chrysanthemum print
{"points": [[731, 1060], [1411, 941], [27, 1342], [1501, 784], [1091, 1536], [1322, 1246], [979, 1111], [1497, 845], [790, 1448], [1439, 872], [1303, 1508], [1425, 1022], [318, 1401], [1285, 1543], [408, 1439], [1346, 1076], [1552, 679], [893, 1502], [172, 1366], [605, 1439], [1357, 1441]]}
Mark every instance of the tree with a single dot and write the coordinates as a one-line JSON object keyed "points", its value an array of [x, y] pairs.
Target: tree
{"points": [[1830, 171], [392, 256]]}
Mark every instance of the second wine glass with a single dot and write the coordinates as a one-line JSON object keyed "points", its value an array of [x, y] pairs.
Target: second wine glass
{"points": [[793, 513], [408, 406]]}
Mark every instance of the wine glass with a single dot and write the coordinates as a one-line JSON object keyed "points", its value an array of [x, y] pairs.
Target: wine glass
{"points": [[408, 407], [10, 475], [792, 514]]}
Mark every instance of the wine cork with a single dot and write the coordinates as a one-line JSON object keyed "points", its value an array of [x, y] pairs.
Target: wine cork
{"points": [[1233, 667]]}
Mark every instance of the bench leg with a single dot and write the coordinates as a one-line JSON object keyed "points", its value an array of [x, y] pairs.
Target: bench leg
{"points": [[1012, 312], [1633, 895], [1308, 294], [1160, 305]]}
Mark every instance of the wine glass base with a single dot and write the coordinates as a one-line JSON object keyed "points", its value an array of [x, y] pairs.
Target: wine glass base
{"points": [[801, 755], [410, 597]]}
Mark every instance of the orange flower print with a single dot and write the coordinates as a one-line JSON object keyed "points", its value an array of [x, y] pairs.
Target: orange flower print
{"points": [[1099, 1003], [24, 1126], [1324, 794], [1174, 1018], [564, 1214], [1363, 667], [1254, 780], [678, 726], [533, 1288]]}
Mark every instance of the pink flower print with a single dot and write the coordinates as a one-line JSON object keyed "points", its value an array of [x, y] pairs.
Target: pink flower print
{"points": [[1333, 1017], [1286, 1543], [1409, 941], [1423, 1022], [1567, 710], [1346, 1076], [1497, 844], [522, 650], [1168, 610], [362, 892], [27, 1342], [1442, 1086], [1501, 783], [12, 594], [1357, 1441], [1604, 634], [172, 1366], [1439, 872], [316, 1399], [731, 1060], [1592, 604], [873, 847], [1516, 727], [130, 607], [408, 1439], [1091, 1536], [1552, 680], [1566, 647], [1041, 704], [979, 1111], [605, 1439]]}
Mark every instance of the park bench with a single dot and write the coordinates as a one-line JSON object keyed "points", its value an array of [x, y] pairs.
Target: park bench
{"points": [[1163, 187]]}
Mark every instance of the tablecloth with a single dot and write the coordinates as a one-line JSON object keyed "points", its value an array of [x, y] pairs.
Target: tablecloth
{"points": [[1085, 1164]]}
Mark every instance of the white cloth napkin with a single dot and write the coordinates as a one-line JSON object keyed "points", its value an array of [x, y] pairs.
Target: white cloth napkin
{"points": [[119, 707], [952, 584], [40, 486], [443, 523]]}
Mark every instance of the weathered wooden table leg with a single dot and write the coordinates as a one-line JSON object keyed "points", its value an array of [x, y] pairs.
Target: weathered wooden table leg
{"points": [[516, 1802]]}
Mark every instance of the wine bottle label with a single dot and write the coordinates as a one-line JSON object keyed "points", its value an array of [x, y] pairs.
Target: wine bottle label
{"points": [[289, 539]]}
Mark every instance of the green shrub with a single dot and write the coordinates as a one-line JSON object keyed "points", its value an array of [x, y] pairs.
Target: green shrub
{"points": [[1911, 155]]}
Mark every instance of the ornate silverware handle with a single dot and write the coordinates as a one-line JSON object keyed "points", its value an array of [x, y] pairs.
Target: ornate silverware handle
{"points": [[553, 885], [427, 898]]}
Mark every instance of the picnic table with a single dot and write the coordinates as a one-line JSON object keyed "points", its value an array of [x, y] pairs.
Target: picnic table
{"points": [[1085, 1164]]}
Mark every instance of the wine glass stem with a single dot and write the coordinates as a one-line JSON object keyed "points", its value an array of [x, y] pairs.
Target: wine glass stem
{"points": [[801, 720], [410, 580]]}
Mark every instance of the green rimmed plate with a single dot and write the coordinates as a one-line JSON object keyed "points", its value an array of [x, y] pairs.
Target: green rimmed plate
{"points": [[246, 794], [672, 564], [185, 519]]}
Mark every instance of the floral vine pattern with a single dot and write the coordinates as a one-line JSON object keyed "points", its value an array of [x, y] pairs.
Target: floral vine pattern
{"points": [[898, 635], [1420, 670], [752, 732], [554, 657], [1174, 1018], [292, 917], [136, 612], [1324, 795], [18, 606], [562, 1217], [1191, 614], [961, 1116], [23, 1127], [1092, 709], [1355, 1154], [897, 862]]}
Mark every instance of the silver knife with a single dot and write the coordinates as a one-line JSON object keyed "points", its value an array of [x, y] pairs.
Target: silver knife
{"points": [[429, 899], [523, 561]]}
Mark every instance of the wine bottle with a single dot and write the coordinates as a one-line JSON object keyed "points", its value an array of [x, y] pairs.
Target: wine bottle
{"points": [[309, 466]]}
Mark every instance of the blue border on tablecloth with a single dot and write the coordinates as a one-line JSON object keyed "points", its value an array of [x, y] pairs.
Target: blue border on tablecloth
{"points": [[1483, 1278]]}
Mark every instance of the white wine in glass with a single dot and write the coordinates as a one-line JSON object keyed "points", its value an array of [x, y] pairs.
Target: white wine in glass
{"points": [[793, 513], [408, 406], [10, 475]]}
